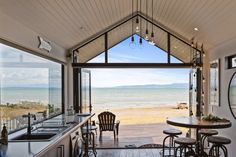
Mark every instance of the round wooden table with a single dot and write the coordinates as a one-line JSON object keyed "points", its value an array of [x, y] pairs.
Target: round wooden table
{"points": [[197, 123]]}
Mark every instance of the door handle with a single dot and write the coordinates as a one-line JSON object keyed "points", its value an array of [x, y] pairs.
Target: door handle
{"points": [[60, 151]]}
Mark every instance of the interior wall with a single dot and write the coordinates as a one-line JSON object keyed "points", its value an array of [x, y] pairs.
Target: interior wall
{"points": [[223, 110], [20, 36], [70, 82], [14, 32]]}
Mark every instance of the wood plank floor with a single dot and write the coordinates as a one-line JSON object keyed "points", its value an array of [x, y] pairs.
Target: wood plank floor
{"points": [[128, 153], [133, 135]]}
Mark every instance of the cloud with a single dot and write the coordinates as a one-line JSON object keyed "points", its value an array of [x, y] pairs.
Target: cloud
{"points": [[13, 77], [118, 77]]}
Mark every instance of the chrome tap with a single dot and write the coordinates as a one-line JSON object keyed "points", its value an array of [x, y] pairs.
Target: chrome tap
{"points": [[29, 116]]}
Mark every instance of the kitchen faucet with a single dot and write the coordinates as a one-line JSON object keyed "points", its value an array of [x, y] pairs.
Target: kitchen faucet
{"points": [[29, 116]]}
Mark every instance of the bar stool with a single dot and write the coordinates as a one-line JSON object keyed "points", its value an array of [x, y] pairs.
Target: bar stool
{"points": [[205, 133], [185, 146], [91, 135], [93, 126], [218, 143], [171, 134]]}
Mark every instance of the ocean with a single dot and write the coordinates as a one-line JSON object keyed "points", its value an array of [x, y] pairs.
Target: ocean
{"points": [[15, 95], [108, 98], [104, 97]]}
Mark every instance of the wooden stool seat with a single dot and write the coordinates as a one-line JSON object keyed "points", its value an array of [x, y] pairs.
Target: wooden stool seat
{"points": [[185, 141], [173, 132], [219, 140], [219, 143], [185, 146], [208, 132]]}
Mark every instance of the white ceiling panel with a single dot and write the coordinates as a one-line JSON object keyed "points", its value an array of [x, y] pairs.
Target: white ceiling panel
{"points": [[72, 22]]}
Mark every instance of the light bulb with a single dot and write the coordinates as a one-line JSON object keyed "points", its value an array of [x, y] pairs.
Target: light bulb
{"points": [[137, 29], [140, 41], [140, 45], [132, 43], [152, 39], [137, 25], [151, 43], [146, 37], [203, 79]]}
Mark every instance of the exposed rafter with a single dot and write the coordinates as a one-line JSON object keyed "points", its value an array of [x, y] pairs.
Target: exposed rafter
{"points": [[169, 41], [108, 29], [126, 19], [131, 65]]}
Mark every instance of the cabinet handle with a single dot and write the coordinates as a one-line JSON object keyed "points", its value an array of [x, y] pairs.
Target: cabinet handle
{"points": [[60, 151]]}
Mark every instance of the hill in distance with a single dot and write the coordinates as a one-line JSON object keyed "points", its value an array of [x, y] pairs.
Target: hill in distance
{"points": [[173, 85]]}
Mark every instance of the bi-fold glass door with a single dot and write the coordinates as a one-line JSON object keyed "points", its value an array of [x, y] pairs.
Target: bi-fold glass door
{"points": [[82, 91], [192, 92]]}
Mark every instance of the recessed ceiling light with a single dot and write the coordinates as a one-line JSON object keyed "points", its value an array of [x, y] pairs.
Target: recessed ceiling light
{"points": [[196, 29], [81, 27]]}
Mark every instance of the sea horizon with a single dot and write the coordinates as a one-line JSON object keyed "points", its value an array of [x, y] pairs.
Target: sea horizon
{"points": [[114, 98], [108, 97]]}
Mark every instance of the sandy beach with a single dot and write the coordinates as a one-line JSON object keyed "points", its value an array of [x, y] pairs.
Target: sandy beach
{"points": [[143, 125], [145, 115]]}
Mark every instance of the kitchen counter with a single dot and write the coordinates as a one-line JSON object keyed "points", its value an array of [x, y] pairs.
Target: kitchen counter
{"points": [[36, 149]]}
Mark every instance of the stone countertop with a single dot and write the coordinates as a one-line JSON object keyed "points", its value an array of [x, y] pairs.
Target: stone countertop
{"points": [[35, 149]]}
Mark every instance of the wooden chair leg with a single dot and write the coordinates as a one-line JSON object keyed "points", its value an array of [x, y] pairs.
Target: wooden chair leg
{"points": [[100, 136], [117, 130]]}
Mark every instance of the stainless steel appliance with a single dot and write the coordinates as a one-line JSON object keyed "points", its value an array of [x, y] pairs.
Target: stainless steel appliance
{"points": [[76, 143]]}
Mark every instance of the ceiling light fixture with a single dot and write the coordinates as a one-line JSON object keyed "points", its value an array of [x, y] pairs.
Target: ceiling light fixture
{"points": [[132, 43], [146, 36], [137, 21], [192, 41], [152, 34], [196, 29], [203, 52], [140, 37]]}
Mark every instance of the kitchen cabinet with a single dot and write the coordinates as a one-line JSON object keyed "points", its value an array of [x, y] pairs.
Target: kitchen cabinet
{"points": [[61, 149]]}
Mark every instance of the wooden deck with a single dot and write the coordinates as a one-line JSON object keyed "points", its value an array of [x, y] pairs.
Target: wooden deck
{"points": [[128, 153], [135, 135]]}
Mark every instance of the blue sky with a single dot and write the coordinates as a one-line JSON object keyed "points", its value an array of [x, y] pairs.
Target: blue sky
{"points": [[17, 76], [145, 53]]}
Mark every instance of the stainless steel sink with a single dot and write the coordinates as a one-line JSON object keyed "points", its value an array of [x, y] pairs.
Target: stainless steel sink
{"points": [[34, 137], [42, 132], [49, 129]]}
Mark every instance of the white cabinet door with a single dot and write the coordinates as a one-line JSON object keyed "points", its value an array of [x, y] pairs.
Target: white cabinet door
{"points": [[62, 149]]}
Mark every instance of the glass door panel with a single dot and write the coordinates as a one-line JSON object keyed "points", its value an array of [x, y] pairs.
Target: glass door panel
{"points": [[85, 91]]}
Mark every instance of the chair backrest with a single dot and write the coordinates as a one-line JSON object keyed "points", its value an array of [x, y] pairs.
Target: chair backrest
{"points": [[106, 121]]}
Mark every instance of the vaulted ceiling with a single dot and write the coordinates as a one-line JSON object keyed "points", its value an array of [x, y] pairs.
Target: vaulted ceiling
{"points": [[70, 23]]}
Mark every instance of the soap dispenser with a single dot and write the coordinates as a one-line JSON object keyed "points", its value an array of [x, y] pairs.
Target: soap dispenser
{"points": [[4, 135]]}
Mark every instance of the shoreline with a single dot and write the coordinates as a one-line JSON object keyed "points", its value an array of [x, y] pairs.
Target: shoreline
{"points": [[145, 115]]}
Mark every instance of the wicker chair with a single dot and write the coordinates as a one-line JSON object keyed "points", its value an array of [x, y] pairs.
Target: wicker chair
{"points": [[107, 123]]}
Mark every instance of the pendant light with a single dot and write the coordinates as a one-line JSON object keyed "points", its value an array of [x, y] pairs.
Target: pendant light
{"points": [[132, 43], [140, 37], [152, 34], [137, 20], [146, 32], [203, 52]]}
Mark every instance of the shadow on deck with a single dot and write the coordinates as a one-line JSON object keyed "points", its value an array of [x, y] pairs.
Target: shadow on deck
{"points": [[133, 136]]}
